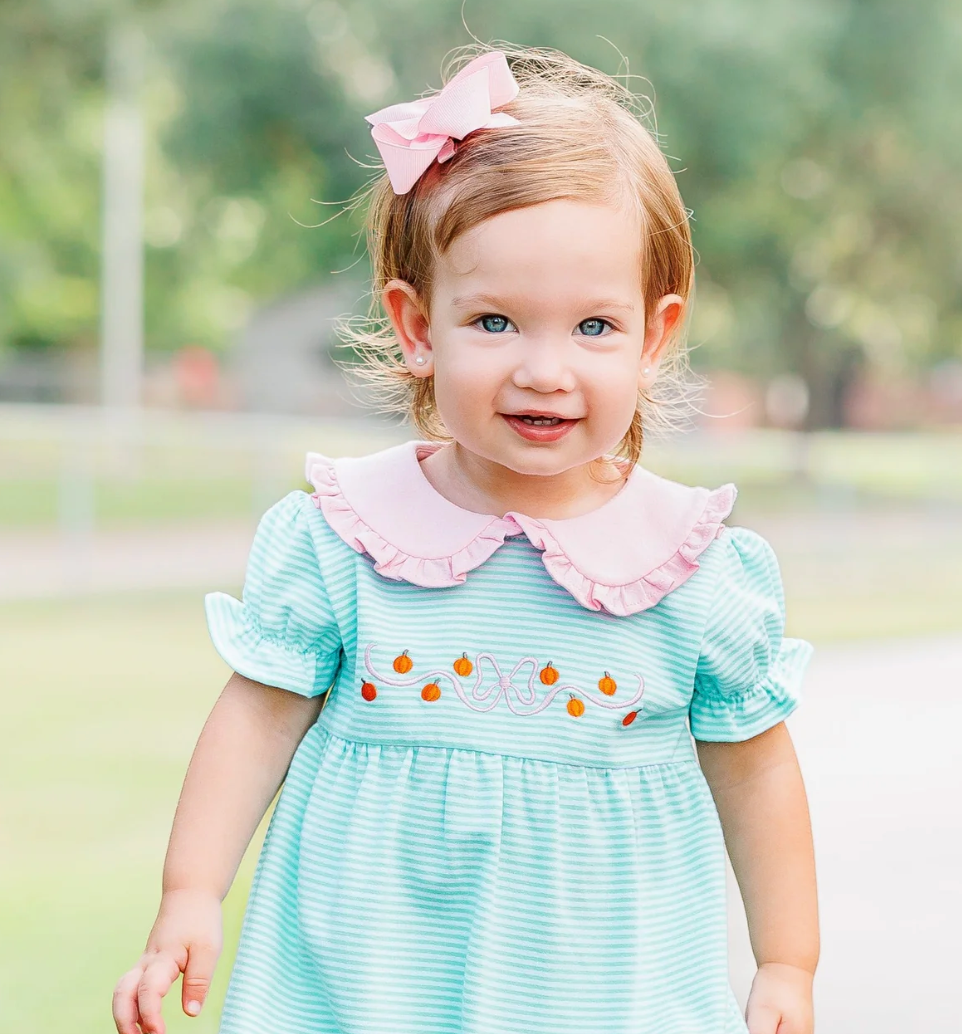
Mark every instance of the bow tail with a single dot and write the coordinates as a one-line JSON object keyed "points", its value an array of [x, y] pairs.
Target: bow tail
{"points": [[405, 164]]}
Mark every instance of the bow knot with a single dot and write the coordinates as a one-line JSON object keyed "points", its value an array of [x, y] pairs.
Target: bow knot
{"points": [[411, 135]]}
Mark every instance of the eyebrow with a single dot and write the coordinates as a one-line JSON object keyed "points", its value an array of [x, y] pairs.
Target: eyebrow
{"points": [[472, 300]]}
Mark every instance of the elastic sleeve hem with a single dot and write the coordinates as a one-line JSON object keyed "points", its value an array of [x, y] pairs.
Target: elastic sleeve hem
{"points": [[742, 715], [252, 653]]}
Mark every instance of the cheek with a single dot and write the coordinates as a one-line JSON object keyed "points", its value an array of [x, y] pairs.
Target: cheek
{"points": [[464, 376], [461, 391], [614, 392], [623, 408]]}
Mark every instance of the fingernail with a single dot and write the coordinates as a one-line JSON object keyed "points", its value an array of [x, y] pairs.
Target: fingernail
{"points": [[193, 1008]]}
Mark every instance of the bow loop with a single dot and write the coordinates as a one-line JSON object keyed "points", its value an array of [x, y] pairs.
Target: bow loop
{"points": [[411, 135]]}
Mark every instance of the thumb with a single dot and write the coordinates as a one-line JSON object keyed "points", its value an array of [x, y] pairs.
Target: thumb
{"points": [[763, 1019], [201, 959]]}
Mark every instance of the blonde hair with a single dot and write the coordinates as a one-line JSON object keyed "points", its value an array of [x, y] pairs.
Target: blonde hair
{"points": [[581, 137]]}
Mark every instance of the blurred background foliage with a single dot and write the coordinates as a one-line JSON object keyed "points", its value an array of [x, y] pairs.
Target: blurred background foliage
{"points": [[819, 146]]}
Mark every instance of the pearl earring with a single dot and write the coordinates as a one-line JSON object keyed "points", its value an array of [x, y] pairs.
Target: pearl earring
{"points": [[646, 371], [420, 360]]}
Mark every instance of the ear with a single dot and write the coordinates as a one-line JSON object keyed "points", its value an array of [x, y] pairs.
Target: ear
{"points": [[659, 331], [407, 315]]}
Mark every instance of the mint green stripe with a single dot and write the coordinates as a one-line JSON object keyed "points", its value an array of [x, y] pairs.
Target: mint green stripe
{"points": [[432, 868]]}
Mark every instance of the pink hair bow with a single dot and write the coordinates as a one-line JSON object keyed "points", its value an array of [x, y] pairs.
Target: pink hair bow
{"points": [[410, 136]]}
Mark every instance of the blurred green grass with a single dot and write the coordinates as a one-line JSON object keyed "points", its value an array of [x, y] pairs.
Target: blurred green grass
{"points": [[105, 698], [170, 481], [36, 502], [845, 616], [103, 701]]}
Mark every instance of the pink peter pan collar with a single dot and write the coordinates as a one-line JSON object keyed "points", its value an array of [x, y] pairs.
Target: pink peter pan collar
{"points": [[623, 557]]}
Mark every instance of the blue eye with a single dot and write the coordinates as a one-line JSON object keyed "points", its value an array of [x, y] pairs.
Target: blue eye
{"points": [[494, 324], [593, 327]]}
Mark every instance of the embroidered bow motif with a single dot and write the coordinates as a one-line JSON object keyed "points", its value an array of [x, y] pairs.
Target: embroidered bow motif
{"points": [[517, 687], [411, 135]]}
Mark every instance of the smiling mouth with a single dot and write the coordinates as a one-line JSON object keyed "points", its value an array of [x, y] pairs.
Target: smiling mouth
{"points": [[541, 421], [543, 428]]}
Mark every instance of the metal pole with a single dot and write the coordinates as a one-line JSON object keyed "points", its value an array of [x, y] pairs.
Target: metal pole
{"points": [[122, 263]]}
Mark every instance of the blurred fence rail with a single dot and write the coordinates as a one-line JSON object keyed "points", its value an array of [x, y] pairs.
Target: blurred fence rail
{"points": [[84, 467], [80, 467], [100, 501]]}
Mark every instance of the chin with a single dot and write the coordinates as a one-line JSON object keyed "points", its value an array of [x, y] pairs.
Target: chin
{"points": [[540, 461]]}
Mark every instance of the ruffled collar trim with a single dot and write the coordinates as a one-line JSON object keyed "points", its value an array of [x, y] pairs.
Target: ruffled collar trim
{"points": [[623, 557]]}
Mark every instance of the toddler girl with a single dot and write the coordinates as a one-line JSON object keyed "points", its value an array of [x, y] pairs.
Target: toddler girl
{"points": [[554, 684]]}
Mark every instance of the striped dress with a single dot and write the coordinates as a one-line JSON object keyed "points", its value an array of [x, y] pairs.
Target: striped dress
{"points": [[498, 823]]}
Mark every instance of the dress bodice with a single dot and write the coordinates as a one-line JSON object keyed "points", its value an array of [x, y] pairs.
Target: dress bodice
{"points": [[498, 824]]}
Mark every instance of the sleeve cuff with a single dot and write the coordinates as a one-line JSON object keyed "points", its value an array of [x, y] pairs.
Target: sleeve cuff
{"points": [[742, 715], [246, 648]]}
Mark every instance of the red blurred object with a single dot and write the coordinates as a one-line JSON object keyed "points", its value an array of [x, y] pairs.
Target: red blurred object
{"points": [[197, 376]]}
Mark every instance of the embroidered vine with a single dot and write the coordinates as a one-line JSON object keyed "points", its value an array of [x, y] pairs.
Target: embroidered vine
{"points": [[516, 687]]}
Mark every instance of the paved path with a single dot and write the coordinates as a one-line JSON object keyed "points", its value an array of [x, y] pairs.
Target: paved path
{"points": [[878, 740], [37, 565]]}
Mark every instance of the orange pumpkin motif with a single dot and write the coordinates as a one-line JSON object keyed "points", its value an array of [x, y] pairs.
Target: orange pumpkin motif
{"points": [[607, 685], [463, 667], [575, 707], [549, 675], [368, 690], [432, 691], [629, 718], [403, 664]]}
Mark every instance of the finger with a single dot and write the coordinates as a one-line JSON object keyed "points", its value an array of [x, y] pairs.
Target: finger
{"points": [[197, 976], [160, 973], [126, 1013]]}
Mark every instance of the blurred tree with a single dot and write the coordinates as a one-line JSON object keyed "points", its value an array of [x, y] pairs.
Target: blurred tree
{"points": [[49, 172], [263, 119], [819, 146], [51, 127]]}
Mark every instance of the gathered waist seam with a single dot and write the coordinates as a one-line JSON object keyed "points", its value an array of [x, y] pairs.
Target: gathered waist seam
{"points": [[671, 761]]}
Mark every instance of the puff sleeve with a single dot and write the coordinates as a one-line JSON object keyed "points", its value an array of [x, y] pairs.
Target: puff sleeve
{"points": [[748, 675], [283, 632]]}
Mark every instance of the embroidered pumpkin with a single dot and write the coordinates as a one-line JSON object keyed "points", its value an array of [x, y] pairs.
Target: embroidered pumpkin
{"points": [[629, 718], [607, 685], [368, 690], [463, 667], [403, 664], [575, 707], [432, 691], [549, 675]]}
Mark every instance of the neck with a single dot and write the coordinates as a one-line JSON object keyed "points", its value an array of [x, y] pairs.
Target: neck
{"points": [[483, 486]]}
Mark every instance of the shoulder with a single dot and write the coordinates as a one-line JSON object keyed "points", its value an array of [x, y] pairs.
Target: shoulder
{"points": [[640, 546], [294, 524], [742, 579], [737, 547], [291, 516], [291, 510]]}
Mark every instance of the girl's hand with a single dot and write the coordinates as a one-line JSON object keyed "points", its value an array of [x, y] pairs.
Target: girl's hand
{"points": [[186, 938], [780, 1001]]}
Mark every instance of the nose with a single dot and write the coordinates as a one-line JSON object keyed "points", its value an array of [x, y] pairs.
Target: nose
{"points": [[543, 367]]}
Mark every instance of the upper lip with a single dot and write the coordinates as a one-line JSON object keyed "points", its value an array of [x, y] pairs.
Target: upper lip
{"points": [[541, 413]]}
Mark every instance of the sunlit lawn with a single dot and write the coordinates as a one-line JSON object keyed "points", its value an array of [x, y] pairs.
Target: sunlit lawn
{"points": [[37, 503], [204, 481], [102, 701]]}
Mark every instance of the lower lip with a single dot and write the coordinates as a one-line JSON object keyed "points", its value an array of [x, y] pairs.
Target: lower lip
{"points": [[542, 433]]}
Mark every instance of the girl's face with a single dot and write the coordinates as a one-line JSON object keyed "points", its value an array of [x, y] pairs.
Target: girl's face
{"points": [[537, 335]]}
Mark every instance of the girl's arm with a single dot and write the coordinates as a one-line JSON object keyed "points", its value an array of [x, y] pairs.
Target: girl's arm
{"points": [[240, 760], [761, 802]]}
